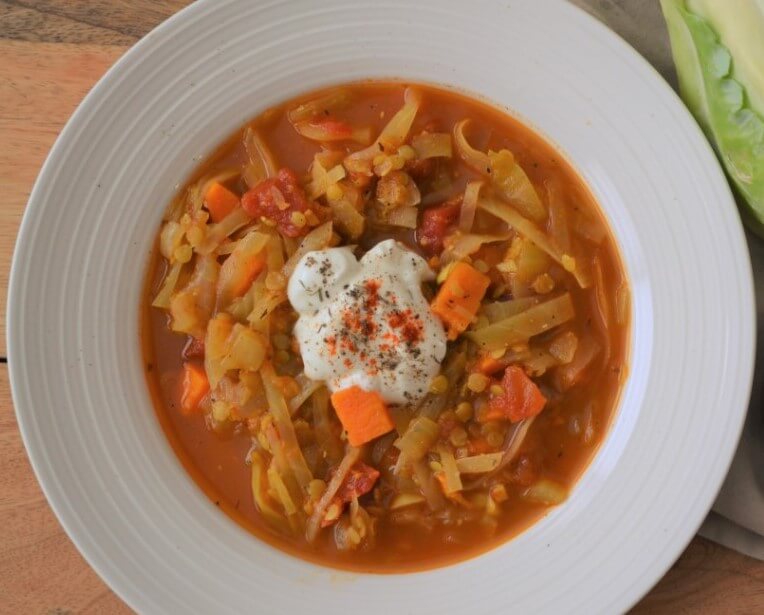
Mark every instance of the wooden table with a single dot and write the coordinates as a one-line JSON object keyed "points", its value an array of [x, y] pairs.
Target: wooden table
{"points": [[51, 53]]}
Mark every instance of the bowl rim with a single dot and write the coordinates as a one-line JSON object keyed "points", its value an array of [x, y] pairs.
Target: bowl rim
{"points": [[80, 116]]}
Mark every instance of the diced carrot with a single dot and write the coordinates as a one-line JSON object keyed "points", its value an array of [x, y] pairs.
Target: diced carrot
{"points": [[195, 387], [220, 201], [363, 414], [520, 400], [459, 298], [488, 365]]}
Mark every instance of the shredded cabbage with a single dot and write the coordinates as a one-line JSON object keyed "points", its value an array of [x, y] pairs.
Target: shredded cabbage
{"points": [[327, 436], [307, 388], [283, 421], [351, 456], [569, 375], [405, 217], [527, 229], [277, 484], [505, 174], [475, 158], [246, 349], [432, 145], [236, 271], [162, 300], [191, 307], [514, 185], [469, 206], [559, 226], [234, 221], [393, 135], [452, 482], [346, 210], [421, 434], [500, 310], [331, 101], [479, 464], [521, 327], [459, 246], [326, 132], [216, 347], [563, 347], [263, 502], [261, 164], [317, 239], [403, 500], [428, 485], [545, 491]]}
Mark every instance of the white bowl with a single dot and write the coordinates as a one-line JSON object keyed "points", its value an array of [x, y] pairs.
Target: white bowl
{"points": [[78, 386]]}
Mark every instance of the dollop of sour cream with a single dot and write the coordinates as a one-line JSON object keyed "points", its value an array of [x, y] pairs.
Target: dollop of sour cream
{"points": [[366, 323]]}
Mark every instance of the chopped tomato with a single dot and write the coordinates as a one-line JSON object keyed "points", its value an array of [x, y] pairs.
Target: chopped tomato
{"points": [[520, 400], [359, 481], [436, 223], [276, 199]]}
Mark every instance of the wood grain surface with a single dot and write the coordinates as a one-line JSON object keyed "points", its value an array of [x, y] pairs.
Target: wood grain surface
{"points": [[51, 54]]}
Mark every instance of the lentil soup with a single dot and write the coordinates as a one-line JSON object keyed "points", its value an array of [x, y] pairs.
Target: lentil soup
{"points": [[385, 327]]}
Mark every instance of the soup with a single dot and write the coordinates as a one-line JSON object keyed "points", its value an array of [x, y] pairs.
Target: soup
{"points": [[385, 327]]}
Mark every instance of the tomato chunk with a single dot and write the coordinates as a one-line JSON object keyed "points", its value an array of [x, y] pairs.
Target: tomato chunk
{"points": [[521, 398], [359, 481], [436, 223], [276, 199]]}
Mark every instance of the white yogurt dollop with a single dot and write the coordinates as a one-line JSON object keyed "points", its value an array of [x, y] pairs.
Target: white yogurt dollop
{"points": [[366, 322]]}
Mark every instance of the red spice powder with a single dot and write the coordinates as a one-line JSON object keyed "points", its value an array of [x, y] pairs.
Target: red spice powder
{"points": [[331, 343], [372, 294], [361, 324], [409, 324]]}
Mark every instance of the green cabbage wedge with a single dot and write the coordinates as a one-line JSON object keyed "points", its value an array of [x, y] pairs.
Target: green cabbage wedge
{"points": [[718, 49]]}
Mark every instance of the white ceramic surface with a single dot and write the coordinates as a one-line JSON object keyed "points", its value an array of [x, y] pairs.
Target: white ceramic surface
{"points": [[75, 364]]}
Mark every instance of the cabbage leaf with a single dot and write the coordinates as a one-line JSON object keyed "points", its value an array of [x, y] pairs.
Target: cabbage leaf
{"points": [[718, 49]]}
